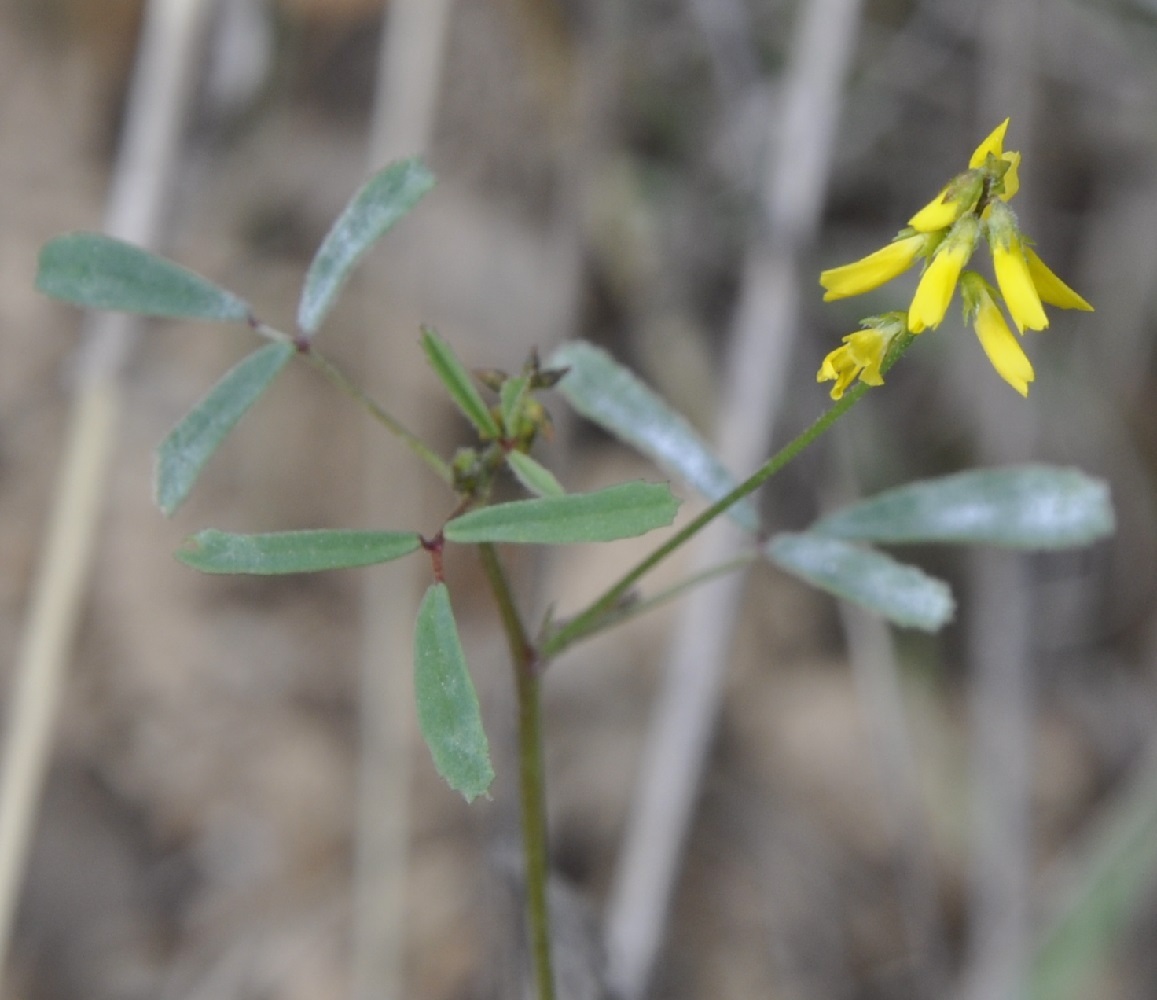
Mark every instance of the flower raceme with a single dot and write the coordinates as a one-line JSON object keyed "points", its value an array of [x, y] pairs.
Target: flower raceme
{"points": [[945, 234]]}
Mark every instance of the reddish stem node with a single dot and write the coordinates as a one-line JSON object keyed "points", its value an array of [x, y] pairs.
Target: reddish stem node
{"points": [[435, 546]]}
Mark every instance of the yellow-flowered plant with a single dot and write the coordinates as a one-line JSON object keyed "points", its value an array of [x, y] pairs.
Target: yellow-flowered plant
{"points": [[944, 234]]}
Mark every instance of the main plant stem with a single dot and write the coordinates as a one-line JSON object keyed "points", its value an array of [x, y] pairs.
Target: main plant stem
{"points": [[532, 786]]}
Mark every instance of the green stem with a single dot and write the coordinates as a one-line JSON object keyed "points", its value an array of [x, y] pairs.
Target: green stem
{"points": [[528, 684], [407, 437], [590, 620], [627, 610]]}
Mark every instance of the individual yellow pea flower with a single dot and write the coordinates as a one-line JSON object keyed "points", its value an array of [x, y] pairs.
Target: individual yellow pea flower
{"points": [[959, 196], [862, 354], [963, 192], [938, 281], [1050, 288], [1010, 263], [993, 145], [996, 338], [874, 270]]}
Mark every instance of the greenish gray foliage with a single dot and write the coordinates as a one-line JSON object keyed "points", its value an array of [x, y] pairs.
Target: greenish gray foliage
{"points": [[294, 551], [612, 396], [382, 201], [189, 445], [1023, 507], [621, 511], [100, 272], [537, 479], [448, 711], [900, 593], [459, 384]]}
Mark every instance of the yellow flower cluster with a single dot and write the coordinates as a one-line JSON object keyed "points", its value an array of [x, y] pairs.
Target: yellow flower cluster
{"points": [[945, 234]]}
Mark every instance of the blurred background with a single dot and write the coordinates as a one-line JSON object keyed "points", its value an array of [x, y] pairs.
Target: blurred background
{"points": [[237, 804]]}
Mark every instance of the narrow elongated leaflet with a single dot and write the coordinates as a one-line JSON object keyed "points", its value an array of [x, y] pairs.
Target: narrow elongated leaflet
{"points": [[538, 480], [294, 551], [189, 445], [611, 396], [621, 511], [896, 591], [100, 272], [458, 383], [510, 399], [448, 711], [383, 200], [1023, 507]]}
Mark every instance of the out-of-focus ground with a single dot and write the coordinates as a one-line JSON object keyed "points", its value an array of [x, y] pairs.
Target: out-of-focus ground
{"points": [[196, 837]]}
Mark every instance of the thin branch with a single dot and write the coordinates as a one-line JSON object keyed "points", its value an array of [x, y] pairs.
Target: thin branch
{"points": [[409, 76], [375, 410]]}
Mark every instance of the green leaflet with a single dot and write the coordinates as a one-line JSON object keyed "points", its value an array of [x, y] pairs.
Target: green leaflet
{"points": [[511, 395], [100, 272], [189, 445], [448, 711], [382, 201], [1024, 507], [294, 551], [612, 396], [536, 478], [896, 591], [459, 384], [621, 511]]}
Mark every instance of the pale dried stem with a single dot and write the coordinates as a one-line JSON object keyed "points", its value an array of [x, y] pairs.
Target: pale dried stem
{"points": [[410, 65], [766, 321], [1000, 598], [146, 167]]}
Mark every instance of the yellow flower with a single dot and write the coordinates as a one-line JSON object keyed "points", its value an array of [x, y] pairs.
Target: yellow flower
{"points": [[945, 233], [962, 194], [938, 281], [874, 270], [996, 338], [1012, 271], [1050, 288], [994, 145], [958, 197], [862, 354], [1017, 287]]}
